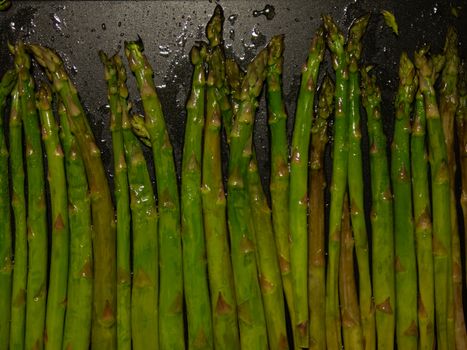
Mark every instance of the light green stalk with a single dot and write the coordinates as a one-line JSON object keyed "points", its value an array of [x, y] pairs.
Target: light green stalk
{"points": [[298, 199], [77, 333], [37, 215], [122, 199], [405, 260], [382, 217], [171, 328], [6, 263], [223, 303], [59, 252]]}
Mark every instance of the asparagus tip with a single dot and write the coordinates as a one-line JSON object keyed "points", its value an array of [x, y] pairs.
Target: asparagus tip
{"points": [[44, 97], [214, 27], [275, 49]]}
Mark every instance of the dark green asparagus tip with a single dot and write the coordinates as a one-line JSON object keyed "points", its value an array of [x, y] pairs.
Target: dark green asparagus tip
{"points": [[354, 43], [7, 83], [256, 72], [423, 64], [407, 72], [198, 54], [326, 97], [22, 59], [334, 36], [5, 5], [44, 97], [234, 74], [371, 94], [214, 27], [275, 50], [452, 41]]}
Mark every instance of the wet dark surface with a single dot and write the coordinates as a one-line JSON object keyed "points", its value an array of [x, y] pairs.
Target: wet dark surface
{"points": [[78, 29]]}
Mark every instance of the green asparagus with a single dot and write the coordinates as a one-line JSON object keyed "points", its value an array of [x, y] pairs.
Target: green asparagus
{"points": [[316, 227], [171, 329], [223, 303], [122, 199], [18, 203], [59, 252], [382, 219], [448, 101], [194, 250], [37, 216], [103, 220], [298, 200], [423, 229], [335, 42], [252, 325], [356, 189], [441, 201], [6, 264], [405, 261], [77, 331]]}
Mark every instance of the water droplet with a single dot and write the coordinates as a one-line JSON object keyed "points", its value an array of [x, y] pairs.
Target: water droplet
{"points": [[12, 25], [232, 34], [164, 50], [232, 18], [269, 12], [119, 23], [103, 26]]}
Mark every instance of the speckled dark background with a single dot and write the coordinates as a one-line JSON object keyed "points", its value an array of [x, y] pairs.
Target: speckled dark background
{"points": [[78, 29]]}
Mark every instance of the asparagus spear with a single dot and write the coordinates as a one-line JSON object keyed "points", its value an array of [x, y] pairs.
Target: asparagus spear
{"points": [[171, 329], [59, 252], [356, 191], [298, 200], [251, 319], [335, 41], [461, 125], [6, 265], [234, 76], [194, 250], [77, 332], [406, 272], [269, 271], [214, 30], [122, 198], [441, 201], [144, 297], [381, 217], [103, 221], [279, 186], [5, 5], [316, 227], [423, 229], [37, 217], [350, 312], [18, 203], [223, 303], [448, 101]]}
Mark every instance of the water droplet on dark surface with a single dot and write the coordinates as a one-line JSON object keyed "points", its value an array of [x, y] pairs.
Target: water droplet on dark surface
{"points": [[232, 19], [269, 12], [119, 23], [104, 27]]}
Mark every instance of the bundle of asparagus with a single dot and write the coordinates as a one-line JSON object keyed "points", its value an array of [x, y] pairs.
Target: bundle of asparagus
{"points": [[203, 265]]}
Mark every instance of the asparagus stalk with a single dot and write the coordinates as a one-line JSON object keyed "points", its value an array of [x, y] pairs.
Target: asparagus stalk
{"points": [[37, 216], [194, 250], [171, 329], [253, 334], [77, 332], [298, 200], [441, 201], [356, 191], [122, 198], [381, 217], [269, 271], [335, 41], [316, 227], [234, 76], [423, 229], [5, 5], [461, 128], [59, 252], [214, 30], [350, 312], [6, 264], [144, 297], [18, 203], [405, 261], [279, 186], [448, 101], [223, 303], [103, 220]]}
